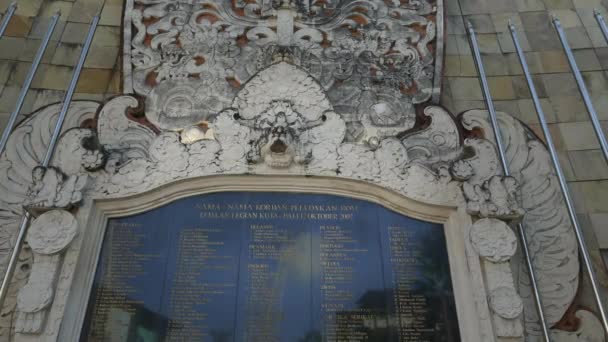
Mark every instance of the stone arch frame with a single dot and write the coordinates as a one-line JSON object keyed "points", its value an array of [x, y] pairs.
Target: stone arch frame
{"points": [[451, 162], [121, 157], [456, 222]]}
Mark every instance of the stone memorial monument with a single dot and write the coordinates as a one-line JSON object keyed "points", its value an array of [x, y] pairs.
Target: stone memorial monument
{"points": [[280, 170]]}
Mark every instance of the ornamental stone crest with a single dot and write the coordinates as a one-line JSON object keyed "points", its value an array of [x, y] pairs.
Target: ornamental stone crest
{"points": [[334, 88], [374, 59]]}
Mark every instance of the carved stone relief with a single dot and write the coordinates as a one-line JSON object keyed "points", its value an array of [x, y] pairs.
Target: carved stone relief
{"points": [[553, 246], [334, 88], [373, 58], [48, 236], [496, 243], [432, 164], [25, 150]]}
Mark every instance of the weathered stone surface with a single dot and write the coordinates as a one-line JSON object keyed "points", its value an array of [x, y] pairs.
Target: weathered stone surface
{"points": [[598, 222], [569, 108], [27, 9], [528, 111], [74, 33], [111, 14], [94, 80], [588, 165], [10, 47], [19, 26], [567, 17], [501, 88], [530, 5], [558, 4], [578, 136], [40, 26], [587, 59], [84, 10]]}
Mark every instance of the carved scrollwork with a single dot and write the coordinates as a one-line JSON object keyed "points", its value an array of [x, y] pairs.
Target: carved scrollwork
{"points": [[303, 87], [496, 197], [25, 149], [553, 247], [190, 59], [282, 129], [51, 188]]}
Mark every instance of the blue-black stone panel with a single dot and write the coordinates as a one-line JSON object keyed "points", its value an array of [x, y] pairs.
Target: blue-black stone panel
{"points": [[272, 266]]}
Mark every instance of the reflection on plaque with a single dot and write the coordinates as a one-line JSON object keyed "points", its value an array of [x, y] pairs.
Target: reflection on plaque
{"points": [[266, 267]]}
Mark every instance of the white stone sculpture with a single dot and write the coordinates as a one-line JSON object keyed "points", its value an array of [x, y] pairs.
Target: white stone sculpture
{"points": [[324, 88], [496, 197], [25, 149], [139, 159], [496, 243], [552, 242], [48, 236], [370, 56], [52, 189]]}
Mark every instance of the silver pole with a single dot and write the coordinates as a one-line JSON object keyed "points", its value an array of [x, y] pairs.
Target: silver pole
{"points": [[600, 20], [501, 150], [28, 81], [582, 87], [68, 96], [49, 154], [12, 263], [7, 17], [562, 179]]}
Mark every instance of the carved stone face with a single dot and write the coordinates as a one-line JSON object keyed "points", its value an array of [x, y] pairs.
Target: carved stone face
{"points": [[191, 60]]}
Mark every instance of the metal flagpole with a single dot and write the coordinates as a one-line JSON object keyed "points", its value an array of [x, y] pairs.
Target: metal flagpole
{"points": [[49, 154], [7, 17], [68, 96], [600, 20], [582, 87], [28, 81], [501, 151], [562, 180]]}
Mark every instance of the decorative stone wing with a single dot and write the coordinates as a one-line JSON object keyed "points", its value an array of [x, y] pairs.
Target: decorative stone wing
{"points": [[552, 242], [25, 149]]}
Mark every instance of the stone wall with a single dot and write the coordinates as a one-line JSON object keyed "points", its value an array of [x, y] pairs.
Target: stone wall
{"points": [[101, 75], [569, 122], [579, 150]]}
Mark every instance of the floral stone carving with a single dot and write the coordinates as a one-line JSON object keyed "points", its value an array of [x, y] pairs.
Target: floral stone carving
{"points": [[48, 236], [429, 163], [373, 58], [493, 240], [496, 244], [320, 88], [261, 133]]}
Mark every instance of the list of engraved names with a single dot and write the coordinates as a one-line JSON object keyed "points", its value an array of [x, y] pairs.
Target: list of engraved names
{"points": [[271, 267]]}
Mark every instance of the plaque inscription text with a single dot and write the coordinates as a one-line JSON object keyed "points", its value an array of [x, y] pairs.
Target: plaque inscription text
{"points": [[270, 267]]}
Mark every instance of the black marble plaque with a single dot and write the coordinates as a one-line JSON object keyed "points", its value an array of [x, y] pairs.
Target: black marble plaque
{"points": [[266, 267]]}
